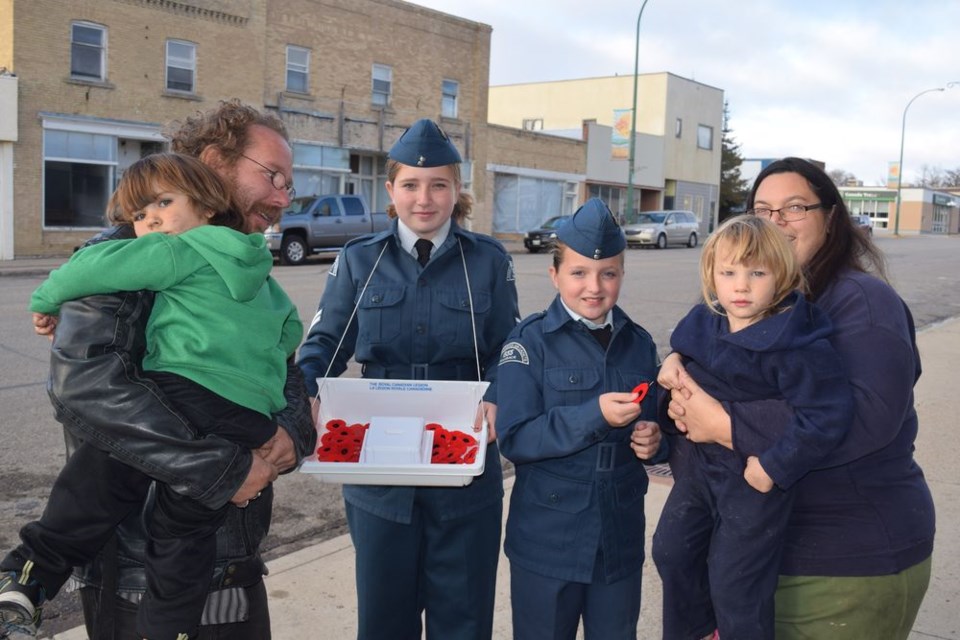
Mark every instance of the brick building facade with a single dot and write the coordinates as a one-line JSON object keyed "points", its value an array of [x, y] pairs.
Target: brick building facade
{"points": [[99, 79], [96, 82]]}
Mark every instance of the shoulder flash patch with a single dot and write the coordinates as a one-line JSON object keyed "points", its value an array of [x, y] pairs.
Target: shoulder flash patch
{"points": [[335, 266], [514, 352], [511, 274]]}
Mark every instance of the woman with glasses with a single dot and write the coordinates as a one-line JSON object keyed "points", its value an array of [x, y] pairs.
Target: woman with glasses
{"points": [[856, 561], [433, 301]]}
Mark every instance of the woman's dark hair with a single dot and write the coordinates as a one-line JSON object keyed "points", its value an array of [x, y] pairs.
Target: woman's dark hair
{"points": [[845, 246]]}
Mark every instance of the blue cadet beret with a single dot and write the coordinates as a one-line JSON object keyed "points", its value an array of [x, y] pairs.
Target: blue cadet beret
{"points": [[593, 231], [424, 144]]}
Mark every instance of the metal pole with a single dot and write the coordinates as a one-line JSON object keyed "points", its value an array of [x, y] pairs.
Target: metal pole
{"points": [[903, 130], [633, 115]]}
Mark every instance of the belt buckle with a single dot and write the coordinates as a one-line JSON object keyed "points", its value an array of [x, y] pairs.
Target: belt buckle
{"points": [[419, 371], [606, 456]]}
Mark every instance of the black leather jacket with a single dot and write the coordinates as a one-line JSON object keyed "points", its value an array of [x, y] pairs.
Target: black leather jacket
{"points": [[100, 397]]}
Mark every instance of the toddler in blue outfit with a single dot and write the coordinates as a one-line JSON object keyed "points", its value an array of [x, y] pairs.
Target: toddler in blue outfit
{"points": [[720, 537]]}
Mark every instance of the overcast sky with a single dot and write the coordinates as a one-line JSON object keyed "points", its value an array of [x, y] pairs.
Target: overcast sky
{"points": [[824, 79]]}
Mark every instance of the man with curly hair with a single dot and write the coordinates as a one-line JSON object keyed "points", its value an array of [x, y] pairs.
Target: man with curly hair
{"points": [[239, 142], [99, 393]]}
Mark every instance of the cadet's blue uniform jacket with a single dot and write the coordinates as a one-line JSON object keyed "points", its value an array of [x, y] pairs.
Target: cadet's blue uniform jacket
{"points": [[579, 487], [414, 323]]}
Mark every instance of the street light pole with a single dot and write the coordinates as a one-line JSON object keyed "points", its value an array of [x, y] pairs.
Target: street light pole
{"points": [[903, 130], [633, 115]]}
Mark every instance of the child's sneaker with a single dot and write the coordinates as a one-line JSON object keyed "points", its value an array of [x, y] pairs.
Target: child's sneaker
{"points": [[19, 605]]}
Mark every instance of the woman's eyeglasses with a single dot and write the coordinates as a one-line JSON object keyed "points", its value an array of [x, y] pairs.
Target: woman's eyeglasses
{"points": [[790, 213]]}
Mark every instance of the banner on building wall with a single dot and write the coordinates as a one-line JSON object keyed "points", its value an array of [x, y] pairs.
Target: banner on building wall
{"points": [[893, 174], [620, 135]]}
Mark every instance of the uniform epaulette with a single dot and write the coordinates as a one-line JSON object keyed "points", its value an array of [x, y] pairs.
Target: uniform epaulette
{"points": [[530, 319], [479, 237], [365, 238]]}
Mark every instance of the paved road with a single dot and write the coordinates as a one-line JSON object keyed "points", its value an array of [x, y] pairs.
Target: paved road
{"points": [[660, 287]]}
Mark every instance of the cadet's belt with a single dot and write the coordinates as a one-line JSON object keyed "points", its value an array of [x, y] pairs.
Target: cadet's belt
{"points": [[611, 455], [441, 371]]}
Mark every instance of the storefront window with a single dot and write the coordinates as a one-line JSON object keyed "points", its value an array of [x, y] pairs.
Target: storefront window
{"points": [[78, 178], [319, 169]]}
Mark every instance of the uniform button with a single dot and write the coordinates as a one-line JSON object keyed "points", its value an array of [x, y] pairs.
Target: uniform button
{"points": [[554, 498], [375, 299], [572, 380], [464, 304], [232, 569], [228, 581], [603, 485], [420, 329]]}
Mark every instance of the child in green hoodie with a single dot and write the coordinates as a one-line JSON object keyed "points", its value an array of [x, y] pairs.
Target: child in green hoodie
{"points": [[217, 344]]}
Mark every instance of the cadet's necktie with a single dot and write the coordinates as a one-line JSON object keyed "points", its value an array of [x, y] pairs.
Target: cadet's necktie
{"points": [[602, 335], [423, 248]]}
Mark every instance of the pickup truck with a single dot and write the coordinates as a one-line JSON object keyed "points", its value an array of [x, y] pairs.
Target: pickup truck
{"points": [[315, 224]]}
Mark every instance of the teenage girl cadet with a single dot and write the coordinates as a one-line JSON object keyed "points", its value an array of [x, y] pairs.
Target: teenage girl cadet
{"points": [[437, 303], [218, 340], [574, 429], [754, 337]]}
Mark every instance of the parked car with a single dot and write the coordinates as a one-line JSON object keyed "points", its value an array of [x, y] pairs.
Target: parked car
{"points": [[314, 224], [864, 223], [662, 228], [545, 236]]}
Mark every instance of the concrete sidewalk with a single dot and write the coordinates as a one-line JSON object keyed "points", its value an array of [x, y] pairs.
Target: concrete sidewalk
{"points": [[312, 591]]}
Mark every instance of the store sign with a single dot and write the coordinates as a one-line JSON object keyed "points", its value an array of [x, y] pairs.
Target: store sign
{"points": [[893, 175], [882, 196]]}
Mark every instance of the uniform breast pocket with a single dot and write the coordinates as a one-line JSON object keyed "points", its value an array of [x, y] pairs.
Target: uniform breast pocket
{"points": [[379, 314], [451, 324], [571, 386]]}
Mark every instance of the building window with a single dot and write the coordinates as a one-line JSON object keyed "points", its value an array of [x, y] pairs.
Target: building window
{"points": [[88, 46], [533, 124], [181, 66], [449, 99], [678, 130], [704, 137], [319, 169], [368, 173], [382, 84], [522, 203], [298, 69], [78, 177], [616, 199]]}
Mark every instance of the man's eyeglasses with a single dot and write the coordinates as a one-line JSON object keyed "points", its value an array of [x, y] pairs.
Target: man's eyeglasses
{"points": [[790, 213], [277, 179]]}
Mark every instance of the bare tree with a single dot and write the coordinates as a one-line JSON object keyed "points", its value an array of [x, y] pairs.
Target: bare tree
{"points": [[952, 177], [931, 177], [842, 178]]}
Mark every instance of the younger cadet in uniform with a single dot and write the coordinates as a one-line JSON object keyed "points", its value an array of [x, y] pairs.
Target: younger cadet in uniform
{"points": [[577, 435], [437, 303]]}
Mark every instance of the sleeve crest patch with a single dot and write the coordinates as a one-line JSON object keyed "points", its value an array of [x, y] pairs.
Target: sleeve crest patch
{"points": [[514, 352]]}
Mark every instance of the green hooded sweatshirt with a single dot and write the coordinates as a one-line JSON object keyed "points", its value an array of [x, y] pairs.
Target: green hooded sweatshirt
{"points": [[219, 319]]}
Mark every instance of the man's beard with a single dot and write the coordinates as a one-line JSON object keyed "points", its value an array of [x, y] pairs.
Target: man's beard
{"points": [[256, 215]]}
